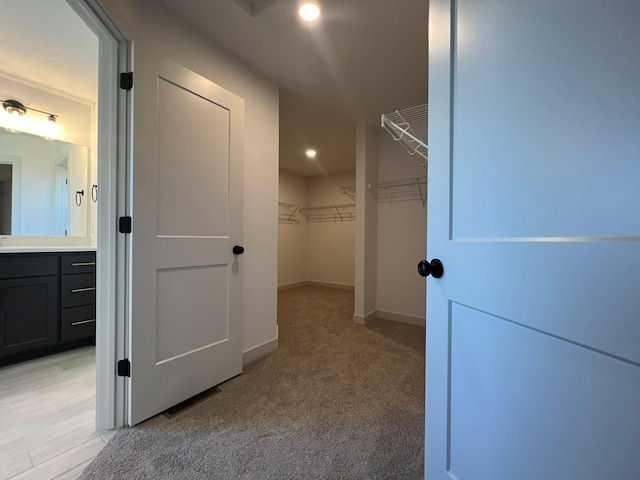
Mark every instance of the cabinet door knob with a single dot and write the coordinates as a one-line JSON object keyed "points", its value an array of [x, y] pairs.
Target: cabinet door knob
{"points": [[238, 250], [433, 268]]}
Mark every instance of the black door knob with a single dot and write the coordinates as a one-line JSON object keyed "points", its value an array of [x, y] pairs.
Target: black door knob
{"points": [[433, 268], [238, 250]]}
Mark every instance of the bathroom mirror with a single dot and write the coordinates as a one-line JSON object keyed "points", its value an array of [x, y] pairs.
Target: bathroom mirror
{"points": [[43, 186]]}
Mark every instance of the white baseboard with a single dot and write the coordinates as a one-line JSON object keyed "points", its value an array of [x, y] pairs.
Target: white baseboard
{"points": [[402, 318], [259, 351], [340, 286], [364, 319], [289, 286]]}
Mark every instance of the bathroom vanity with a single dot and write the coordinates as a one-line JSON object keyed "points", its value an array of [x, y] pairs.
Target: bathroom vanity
{"points": [[48, 207], [47, 302]]}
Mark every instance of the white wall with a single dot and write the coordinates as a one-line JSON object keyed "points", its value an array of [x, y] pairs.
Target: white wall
{"points": [[366, 224], [148, 22], [292, 239], [331, 245], [402, 228]]}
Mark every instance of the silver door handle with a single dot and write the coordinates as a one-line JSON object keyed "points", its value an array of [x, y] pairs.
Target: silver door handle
{"points": [[83, 264]]}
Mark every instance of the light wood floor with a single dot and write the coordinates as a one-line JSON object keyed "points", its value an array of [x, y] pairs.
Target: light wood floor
{"points": [[47, 417]]}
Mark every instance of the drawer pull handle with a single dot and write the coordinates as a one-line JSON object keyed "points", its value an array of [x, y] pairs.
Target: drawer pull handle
{"points": [[78, 290], [83, 264], [82, 322]]}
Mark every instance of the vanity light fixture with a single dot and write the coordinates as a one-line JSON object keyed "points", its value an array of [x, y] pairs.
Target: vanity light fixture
{"points": [[14, 107], [309, 11], [12, 119]]}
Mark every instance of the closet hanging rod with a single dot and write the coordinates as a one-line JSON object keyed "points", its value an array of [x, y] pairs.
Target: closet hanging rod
{"points": [[402, 189], [340, 212], [288, 205], [412, 184], [401, 182], [325, 207]]}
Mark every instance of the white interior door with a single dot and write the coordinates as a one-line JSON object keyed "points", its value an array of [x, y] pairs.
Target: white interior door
{"points": [[533, 332], [186, 305]]}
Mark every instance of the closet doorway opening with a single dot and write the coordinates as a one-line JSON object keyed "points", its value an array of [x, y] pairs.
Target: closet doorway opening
{"points": [[361, 180], [317, 220], [316, 230]]}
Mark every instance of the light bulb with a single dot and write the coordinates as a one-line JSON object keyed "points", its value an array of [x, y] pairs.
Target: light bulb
{"points": [[311, 153], [309, 11], [51, 128], [11, 121]]}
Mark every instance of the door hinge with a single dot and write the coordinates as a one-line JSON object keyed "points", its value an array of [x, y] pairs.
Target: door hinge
{"points": [[124, 368], [126, 80], [125, 225]]}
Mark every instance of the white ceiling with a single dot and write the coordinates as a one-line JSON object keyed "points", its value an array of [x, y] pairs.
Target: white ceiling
{"points": [[45, 43], [361, 59]]}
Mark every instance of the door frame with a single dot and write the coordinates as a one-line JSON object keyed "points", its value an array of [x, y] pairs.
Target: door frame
{"points": [[113, 252]]}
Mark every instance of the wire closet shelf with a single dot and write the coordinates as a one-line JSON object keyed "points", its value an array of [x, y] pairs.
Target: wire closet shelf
{"points": [[402, 190], [288, 213], [409, 128], [345, 212]]}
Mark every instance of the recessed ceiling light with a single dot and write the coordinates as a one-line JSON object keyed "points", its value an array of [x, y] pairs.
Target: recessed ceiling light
{"points": [[311, 153], [309, 11]]}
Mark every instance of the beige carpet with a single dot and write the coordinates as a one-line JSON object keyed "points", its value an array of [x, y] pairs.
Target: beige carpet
{"points": [[335, 401]]}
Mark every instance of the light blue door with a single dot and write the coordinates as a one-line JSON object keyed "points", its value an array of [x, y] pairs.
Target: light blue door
{"points": [[533, 332]]}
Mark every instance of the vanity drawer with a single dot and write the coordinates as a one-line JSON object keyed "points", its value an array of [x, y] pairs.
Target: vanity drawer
{"points": [[78, 322], [28, 265], [77, 289], [78, 263]]}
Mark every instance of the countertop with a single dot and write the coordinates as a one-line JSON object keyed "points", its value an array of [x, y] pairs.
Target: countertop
{"points": [[45, 249]]}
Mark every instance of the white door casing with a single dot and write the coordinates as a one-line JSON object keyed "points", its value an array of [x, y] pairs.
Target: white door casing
{"points": [[186, 294], [533, 332]]}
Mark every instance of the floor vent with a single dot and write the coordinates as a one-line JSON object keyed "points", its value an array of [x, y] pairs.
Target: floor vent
{"points": [[190, 402]]}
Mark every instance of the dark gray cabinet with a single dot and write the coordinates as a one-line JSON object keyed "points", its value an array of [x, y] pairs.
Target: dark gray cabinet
{"points": [[77, 296], [47, 303], [28, 314]]}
